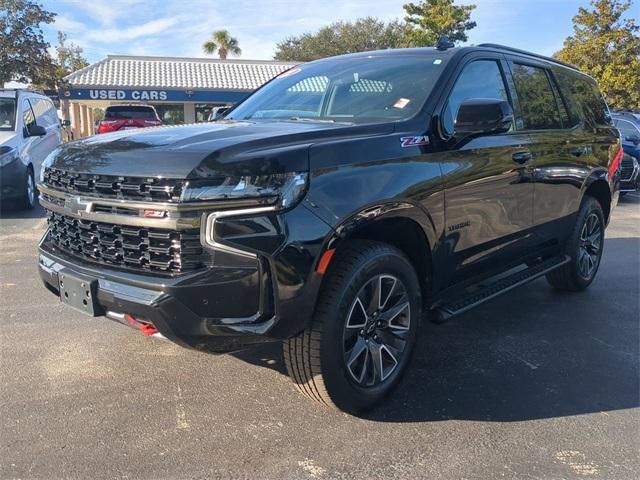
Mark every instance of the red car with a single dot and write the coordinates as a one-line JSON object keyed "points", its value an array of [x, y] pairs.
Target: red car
{"points": [[125, 117]]}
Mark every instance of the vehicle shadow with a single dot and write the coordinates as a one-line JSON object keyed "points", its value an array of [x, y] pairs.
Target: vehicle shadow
{"points": [[531, 354], [8, 209]]}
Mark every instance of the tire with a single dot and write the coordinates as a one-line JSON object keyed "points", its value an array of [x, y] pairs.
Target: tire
{"points": [[28, 199], [580, 271], [344, 324]]}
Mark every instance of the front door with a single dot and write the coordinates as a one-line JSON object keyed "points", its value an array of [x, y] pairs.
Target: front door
{"points": [[488, 187]]}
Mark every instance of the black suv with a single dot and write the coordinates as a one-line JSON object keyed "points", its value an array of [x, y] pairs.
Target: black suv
{"points": [[337, 206]]}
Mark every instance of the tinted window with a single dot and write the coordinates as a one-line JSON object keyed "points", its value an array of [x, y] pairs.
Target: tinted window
{"points": [[590, 99], [537, 103], [563, 82], [7, 114], [565, 118], [130, 112], [360, 89], [479, 79], [28, 118]]}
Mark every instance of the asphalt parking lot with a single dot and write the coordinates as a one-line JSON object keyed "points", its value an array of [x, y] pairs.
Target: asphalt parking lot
{"points": [[535, 384]]}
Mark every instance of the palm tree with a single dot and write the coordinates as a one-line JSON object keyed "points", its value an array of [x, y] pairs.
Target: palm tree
{"points": [[222, 42]]}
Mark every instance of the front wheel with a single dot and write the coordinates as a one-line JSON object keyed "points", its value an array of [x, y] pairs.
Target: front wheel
{"points": [[28, 198], [363, 330], [584, 246]]}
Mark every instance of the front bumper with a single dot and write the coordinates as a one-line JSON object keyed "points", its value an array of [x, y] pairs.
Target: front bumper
{"points": [[168, 304], [630, 174], [220, 308]]}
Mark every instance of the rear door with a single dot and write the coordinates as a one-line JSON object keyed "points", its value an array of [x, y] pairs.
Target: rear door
{"points": [[559, 144], [489, 194]]}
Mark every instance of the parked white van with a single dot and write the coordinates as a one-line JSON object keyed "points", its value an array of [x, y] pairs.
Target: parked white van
{"points": [[29, 131]]}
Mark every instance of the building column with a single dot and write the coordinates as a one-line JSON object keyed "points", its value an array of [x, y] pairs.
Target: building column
{"points": [[92, 121], [84, 116], [189, 113], [64, 109], [75, 120]]}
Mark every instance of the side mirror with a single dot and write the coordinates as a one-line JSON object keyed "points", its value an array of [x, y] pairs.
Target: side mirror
{"points": [[483, 116], [66, 123], [36, 131], [635, 139]]}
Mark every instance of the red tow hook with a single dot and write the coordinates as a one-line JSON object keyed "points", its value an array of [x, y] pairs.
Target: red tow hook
{"points": [[146, 328]]}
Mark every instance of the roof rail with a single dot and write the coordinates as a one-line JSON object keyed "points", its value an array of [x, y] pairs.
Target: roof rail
{"points": [[524, 52]]}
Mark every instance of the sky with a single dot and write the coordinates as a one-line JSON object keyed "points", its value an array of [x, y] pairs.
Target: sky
{"points": [[180, 27]]}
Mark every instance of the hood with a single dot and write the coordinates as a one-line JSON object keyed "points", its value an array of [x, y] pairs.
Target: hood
{"points": [[203, 150]]}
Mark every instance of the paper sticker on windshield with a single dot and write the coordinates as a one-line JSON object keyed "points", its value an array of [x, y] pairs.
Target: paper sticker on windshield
{"points": [[289, 72], [414, 141], [401, 102]]}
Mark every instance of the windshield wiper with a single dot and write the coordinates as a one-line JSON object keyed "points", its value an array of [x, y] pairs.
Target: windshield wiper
{"points": [[311, 119]]}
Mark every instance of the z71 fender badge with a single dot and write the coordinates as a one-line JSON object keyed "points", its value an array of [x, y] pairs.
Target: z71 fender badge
{"points": [[414, 141]]}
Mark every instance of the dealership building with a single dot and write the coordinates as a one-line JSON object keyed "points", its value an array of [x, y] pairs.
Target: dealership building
{"points": [[183, 90]]}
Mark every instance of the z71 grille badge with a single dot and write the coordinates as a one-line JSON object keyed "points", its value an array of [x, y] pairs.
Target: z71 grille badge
{"points": [[414, 141]]}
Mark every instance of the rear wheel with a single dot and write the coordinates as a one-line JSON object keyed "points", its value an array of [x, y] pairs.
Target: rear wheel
{"points": [[363, 330], [585, 248]]}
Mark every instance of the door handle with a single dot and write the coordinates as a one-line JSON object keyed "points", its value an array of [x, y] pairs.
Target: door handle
{"points": [[521, 157]]}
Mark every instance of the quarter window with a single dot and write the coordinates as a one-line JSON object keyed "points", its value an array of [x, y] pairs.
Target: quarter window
{"points": [[28, 118], [538, 104], [479, 79]]}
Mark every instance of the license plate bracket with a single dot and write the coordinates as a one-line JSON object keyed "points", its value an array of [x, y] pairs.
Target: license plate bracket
{"points": [[79, 292]]}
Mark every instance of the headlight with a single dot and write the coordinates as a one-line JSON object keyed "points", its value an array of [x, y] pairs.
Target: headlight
{"points": [[281, 190], [47, 163], [7, 155]]}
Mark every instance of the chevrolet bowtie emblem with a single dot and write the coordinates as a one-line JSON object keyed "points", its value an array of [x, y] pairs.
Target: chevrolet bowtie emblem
{"points": [[76, 205]]}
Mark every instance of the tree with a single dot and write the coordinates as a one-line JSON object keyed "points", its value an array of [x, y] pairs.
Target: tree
{"points": [[23, 50], [224, 43], [69, 55], [68, 59], [607, 47], [430, 19], [343, 37]]}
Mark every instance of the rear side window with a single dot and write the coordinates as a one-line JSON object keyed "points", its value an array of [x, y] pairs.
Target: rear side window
{"points": [[130, 112], [587, 97], [479, 79], [538, 105]]}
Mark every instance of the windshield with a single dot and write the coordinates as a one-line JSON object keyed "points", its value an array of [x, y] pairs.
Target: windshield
{"points": [[7, 114], [130, 112], [357, 90]]}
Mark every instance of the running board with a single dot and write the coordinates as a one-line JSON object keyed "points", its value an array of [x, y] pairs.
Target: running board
{"points": [[468, 301]]}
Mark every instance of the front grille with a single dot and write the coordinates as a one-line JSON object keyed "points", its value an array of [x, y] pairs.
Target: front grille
{"points": [[146, 249], [111, 186], [626, 168]]}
